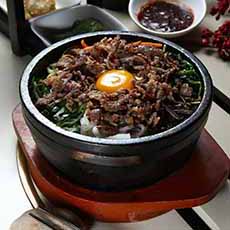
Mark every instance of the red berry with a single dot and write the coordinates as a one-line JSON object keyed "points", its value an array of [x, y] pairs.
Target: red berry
{"points": [[207, 33], [226, 44], [205, 42], [220, 39], [221, 7]]}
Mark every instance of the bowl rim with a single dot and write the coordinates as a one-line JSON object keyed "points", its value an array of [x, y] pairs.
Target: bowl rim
{"points": [[30, 107], [167, 34]]}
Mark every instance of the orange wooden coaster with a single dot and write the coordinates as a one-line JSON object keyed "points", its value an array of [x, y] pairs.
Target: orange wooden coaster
{"points": [[194, 184]]}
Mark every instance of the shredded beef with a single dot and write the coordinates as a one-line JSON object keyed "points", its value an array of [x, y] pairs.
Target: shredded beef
{"points": [[145, 104]]}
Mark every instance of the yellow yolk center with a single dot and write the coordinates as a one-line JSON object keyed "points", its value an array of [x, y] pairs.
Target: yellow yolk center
{"points": [[114, 80]]}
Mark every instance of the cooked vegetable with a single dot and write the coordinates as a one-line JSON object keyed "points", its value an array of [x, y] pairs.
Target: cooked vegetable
{"points": [[87, 25], [163, 89], [83, 44], [151, 44], [79, 27]]}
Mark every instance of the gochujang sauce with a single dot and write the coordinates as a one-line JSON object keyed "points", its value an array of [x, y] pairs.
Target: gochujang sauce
{"points": [[163, 16]]}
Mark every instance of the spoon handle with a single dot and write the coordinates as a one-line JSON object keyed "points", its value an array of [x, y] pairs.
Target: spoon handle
{"points": [[40, 207], [41, 219]]}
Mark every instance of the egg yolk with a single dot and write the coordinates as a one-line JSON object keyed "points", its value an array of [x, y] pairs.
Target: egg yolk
{"points": [[114, 80]]}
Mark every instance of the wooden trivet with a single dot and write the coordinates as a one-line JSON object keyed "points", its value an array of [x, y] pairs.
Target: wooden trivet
{"points": [[194, 184]]}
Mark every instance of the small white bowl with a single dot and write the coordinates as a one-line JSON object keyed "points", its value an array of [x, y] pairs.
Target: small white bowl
{"points": [[199, 9]]}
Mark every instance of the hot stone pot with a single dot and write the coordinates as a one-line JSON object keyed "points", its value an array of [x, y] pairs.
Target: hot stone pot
{"points": [[106, 164]]}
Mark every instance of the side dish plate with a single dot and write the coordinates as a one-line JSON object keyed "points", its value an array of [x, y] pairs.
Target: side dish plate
{"points": [[45, 26]]}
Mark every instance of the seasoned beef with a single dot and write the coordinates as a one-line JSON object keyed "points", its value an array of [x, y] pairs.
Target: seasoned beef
{"points": [[155, 97]]}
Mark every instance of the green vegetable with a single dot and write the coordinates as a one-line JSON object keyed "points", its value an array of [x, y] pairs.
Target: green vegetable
{"points": [[198, 83], [39, 89], [70, 120], [62, 117], [51, 69], [57, 112], [187, 69], [187, 72], [79, 27], [87, 25]]}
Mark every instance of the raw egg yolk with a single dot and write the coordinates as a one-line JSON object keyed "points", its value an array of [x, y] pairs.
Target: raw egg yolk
{"points": [[114, 80]]}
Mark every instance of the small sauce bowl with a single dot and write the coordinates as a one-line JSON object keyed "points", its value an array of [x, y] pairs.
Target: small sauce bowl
{"points": [[198, 8]]}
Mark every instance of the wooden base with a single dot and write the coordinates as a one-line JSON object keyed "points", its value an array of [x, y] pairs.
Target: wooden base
{"points": [[195, 184]]}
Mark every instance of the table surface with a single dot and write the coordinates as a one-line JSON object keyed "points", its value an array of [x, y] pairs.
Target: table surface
{"points": [[12, 198]]}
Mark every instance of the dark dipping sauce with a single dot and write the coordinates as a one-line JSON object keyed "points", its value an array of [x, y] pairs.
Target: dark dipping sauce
{"points": [[165, 17]]}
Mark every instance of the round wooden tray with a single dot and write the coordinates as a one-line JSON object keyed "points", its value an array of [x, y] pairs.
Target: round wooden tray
{"points": [[194, 184]]}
